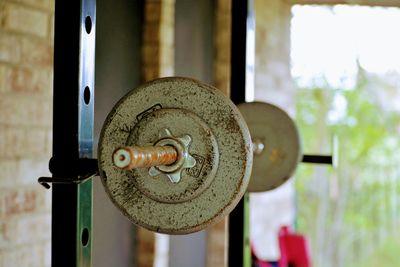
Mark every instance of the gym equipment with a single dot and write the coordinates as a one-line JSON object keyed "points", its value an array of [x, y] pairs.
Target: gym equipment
{"points": [[203, 134], [175, 155]]}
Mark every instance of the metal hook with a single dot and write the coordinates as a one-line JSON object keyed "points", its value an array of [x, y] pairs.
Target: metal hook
{"points": [[45, 181]]}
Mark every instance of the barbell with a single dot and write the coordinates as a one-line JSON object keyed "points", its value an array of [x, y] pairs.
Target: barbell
{"points": [[175, 155]]}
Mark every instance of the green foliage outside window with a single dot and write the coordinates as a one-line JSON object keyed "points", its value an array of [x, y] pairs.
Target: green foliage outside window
{"points": [[351, 214]]}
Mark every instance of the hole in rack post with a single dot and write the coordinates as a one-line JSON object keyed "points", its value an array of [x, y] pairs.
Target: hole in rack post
{"points": [[86, 95], [88, 24], [85, 237]]}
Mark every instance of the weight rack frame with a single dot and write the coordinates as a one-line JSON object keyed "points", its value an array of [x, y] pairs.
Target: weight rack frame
{"points": [[73, 118]]}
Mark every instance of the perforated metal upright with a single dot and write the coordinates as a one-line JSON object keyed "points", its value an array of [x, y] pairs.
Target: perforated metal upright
{"points": [[74, 53]]}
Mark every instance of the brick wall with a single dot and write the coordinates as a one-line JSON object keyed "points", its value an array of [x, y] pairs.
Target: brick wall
{"points": [[26, 58]]}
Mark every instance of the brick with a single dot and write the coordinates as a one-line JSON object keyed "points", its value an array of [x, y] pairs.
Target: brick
{"points": [[150, 73], [23, 201], [222, 42], [6, 234], [36, 80], [167, 35], [34, 143], [152, 11], [18, 142], [224, 6], [10, 48], [151, 33], [223, 32], [169, 2], [222, 72], [2, 21], [151, 55], [26, 110], [32, 229], [47, 5], [25, 230], [25, 20], [168, 13], [216, 238], [17, 202], [167, 71], [37, 53], [224, 86], [9, 171], [167, 57], [146, 247], [4, 79], [11, 142], [29, 255]]}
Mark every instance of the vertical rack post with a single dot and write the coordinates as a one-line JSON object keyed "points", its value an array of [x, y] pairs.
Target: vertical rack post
{"points": [[242, 19], [73, 106]]}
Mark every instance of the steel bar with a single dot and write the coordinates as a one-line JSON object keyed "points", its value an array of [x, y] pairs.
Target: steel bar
{"points": [[129, 158], [318, 159]]}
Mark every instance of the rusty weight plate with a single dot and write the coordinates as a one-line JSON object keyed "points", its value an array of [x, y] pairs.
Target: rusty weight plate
{"points": [[220, 144], [278, 133]]}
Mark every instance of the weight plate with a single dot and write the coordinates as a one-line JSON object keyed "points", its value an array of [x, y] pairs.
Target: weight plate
{"points": [[220, 144], [272, 127]]}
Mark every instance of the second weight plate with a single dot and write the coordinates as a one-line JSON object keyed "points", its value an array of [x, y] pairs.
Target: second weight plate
{"points": [[276, 135]]}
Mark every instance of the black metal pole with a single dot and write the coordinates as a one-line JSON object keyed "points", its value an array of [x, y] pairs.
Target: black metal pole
{"points": [[238, 236], [74, 41], [238, 50]]}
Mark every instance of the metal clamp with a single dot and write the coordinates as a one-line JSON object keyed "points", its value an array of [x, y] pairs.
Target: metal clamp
{"points": [[67, 171]]}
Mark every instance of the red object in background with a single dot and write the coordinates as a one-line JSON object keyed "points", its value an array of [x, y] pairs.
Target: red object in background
{"points": [[294, 249]]}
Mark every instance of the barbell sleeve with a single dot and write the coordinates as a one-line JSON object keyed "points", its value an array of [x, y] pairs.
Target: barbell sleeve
{"points": [[128, 158]]}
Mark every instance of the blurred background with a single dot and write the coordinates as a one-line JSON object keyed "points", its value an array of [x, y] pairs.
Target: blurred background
{"points": [[332, 65]]}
